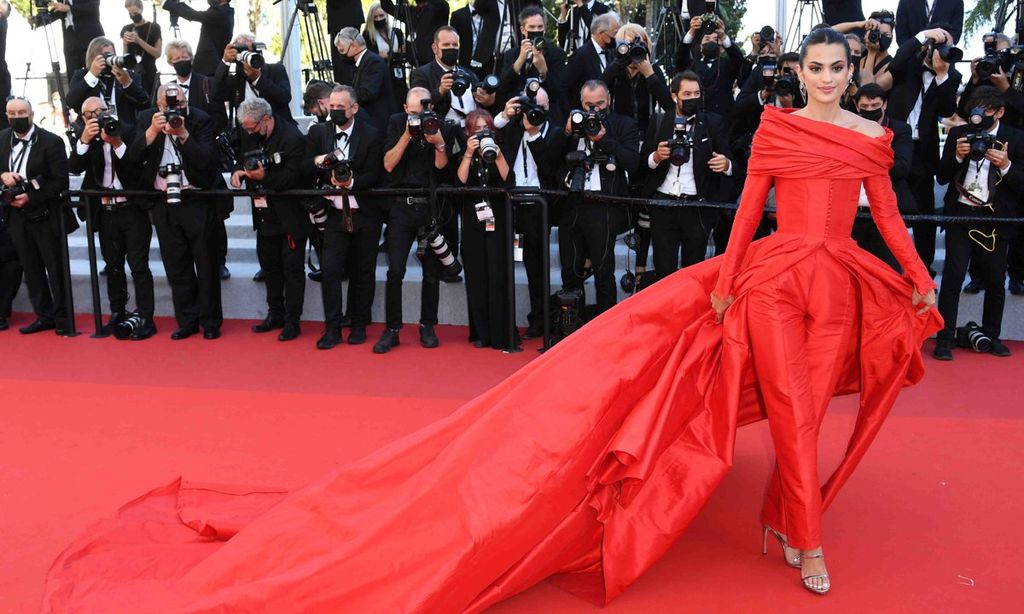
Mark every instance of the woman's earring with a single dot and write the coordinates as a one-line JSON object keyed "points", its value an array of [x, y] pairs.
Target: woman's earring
{"points": [[803, 90]]}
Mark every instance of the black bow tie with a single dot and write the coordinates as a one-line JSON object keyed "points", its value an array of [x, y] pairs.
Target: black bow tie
{"points": [[341, 136], [23, 142], [183, 86], [472, 12]]}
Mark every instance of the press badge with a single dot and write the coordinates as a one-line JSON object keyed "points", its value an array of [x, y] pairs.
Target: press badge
{"points": [[260, 202]]}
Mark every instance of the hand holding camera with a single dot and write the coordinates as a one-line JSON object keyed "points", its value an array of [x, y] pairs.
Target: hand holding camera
{"points": [[718, 163], [91, 131], [15, 190], [512, 108], [447, 80], [662, 153]]}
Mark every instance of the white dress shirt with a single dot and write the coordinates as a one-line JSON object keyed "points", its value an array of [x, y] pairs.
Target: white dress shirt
{"points": [[976, 178], [170, 156], [20, 153], [927, 78], [110, 178], [343, 141], [527, 175]]}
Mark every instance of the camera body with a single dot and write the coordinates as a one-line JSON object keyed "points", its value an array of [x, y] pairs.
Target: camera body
{"points": [[947, 52], [461, 81], [632, 52], [488, 145], [427, 123], [991, 62], [109, 123], [974, 337], [586, 123], [978, 138], [430, 237], [340, 167], [43, 15], [681, 144], [172, 174], [786, 84], [173, 115], [769, 69], [538, 41], [253, 159], [9, 194], [253, 58]]}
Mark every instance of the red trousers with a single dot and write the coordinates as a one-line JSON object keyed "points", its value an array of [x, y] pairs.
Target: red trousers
{"points": [[800, 328]]}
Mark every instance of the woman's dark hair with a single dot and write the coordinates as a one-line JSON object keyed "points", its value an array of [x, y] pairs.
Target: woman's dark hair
{"points": [[825, 36], [472, 118]]}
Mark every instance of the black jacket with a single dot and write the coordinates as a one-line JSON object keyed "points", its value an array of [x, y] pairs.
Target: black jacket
{"points": [[640, 98], [287, 141], [903, 152], [373, 84], [566, 31], [429, 77], [366, 155], [128, 100], [200, 96], [94, 166], [545, 150], [48, 165], [584, 65], [86, 17], [938, 101], [512, 83], [218, 23], [622, 140], [272, 86], [482, 61], [344, 14], [1005, 191], [426, 17], [717, 77], [419, 156], [912, 17], [709, 137]]}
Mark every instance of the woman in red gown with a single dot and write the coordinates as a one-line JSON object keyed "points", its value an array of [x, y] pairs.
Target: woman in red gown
{"points": [[544, 477]]}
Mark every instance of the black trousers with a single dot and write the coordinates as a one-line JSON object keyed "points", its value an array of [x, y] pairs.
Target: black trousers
{"points": [[867, 236], [485, 258], [355, 253], [404, 221], [534, 243], [587, 231], [10, 274], [922, 185], [220, 244], [126, 234], [991, 269], [1015, 258], [282, 258], [186, 234], [39, 252], [685, 227]]}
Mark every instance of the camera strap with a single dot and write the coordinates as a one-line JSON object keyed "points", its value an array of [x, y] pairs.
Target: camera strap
{"points": [[19, 162]]}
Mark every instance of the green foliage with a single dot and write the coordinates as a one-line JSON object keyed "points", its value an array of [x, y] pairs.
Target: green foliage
{"points": [[980, 16]]}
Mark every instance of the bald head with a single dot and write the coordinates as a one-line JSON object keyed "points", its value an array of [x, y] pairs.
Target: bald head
{"points": [[414, 100]]}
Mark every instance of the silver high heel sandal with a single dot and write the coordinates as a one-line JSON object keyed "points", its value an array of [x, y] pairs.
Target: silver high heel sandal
{"points": [[793, 562], [810, 582]]}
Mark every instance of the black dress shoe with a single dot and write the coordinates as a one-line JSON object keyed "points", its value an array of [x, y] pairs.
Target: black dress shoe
{"points": [[451, 278], [534, 332], [211, 332], [428, 338], [115, 319], [1016, 287], [145, 331], [315, 275], [479, 344], [972, 287], [357, 335], [259, 276], [4, 325], [185, 332], [291, 331], [37, 327], [268, 324], [388, 340], [345, 322], [998, 349], [224, 272], [943, 349], [330, 339]]}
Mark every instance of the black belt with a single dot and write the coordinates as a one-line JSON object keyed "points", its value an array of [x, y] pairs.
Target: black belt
{"points": [[682, 197], [414, 200]]}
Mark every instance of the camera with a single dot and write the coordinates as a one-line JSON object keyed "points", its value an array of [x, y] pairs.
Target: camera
{"points": [[528, 106], [43, 16], [632, 52], [124, 329], [9, 194], [430, 236], [461, 81], [488, 146], [708, 21], [767, 34], [341, 168], [681, 144], [786, 84], [569, 305], [974, 337], [172, 174], [109, 123], [947, 52], [977, 137], [586, 123], [317, 210], [769, 67], [489, 84], [537, 40], [252, 160], [126, 61], [427, 123], [252, 59], [173, 114]]}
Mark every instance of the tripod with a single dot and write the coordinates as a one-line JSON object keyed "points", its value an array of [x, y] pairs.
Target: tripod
{"points": [[667, 34], [58, 77], [316, 45], [795, 33], [404, 16]]}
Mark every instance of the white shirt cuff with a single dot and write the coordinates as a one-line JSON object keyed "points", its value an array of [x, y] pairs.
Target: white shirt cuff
{"points": [[82, 148], [533, 137], [1007, 169], [728, 169], [120, 151], [91, 80], [501, 121], [921, 38], [651, 164], [225, 62], [761, 100], [727, 42], [940, 79], [688, 38]]}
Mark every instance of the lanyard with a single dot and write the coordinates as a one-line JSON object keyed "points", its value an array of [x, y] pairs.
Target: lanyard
{"points": [[16, 161]]}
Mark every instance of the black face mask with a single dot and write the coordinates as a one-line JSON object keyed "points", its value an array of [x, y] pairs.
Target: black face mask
{"points": [[987, 121], [136, 17], [874, 114], [449, 57], [183, 68], [339, 117], [21, 125], [884, 42], [689, 106], [380, 24], [710, 50]]}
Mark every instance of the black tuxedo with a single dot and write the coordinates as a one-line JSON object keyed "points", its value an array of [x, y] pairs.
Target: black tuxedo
{"points": [[272, 86], [129, 101], [218, 23], [86, 17], [200, 96], [427, 16], [567, 30], [583, 65], [429, 76], [964, 242], [186, 231], [638, 98], [512, 83], [480, 61], [35, 228], [342, 14], [717, 76], [841, 11], [912, 17], [373, 84]]}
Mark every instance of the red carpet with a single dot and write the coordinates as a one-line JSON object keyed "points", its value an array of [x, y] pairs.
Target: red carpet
{"points": [[929, 523]]}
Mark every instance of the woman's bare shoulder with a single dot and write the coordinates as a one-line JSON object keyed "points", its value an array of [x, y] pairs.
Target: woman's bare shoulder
{"points": [[859, 124]]}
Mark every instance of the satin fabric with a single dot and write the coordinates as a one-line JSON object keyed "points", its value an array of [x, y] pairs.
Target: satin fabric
{"points": [[583, 467]]}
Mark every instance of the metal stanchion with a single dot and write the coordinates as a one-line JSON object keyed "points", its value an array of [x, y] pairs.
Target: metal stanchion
{"points": [[69, 298], [510, 270], [94, 277]]}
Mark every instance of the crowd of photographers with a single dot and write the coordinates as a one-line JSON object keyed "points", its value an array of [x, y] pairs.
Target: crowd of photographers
{"points": [[488, 101]]}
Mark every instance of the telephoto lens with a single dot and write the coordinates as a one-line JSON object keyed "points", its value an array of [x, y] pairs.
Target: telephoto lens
{"points": [[124, 329], [488, 147], [126, 61], [109, 123], [490, 84], [439, 246], [317, 210]]}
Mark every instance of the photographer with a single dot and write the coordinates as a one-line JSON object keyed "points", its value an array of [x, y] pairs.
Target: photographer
{"points": [[454, 90], [638, 87], [484, 246], [575, 21], [316, 100], [415, 150], [371, 80], [352, 226], [718, 74], [983, 165], [995, 69], [123, 223], [197, 87], [34, 172], [924, 89], [176, 154], [388, 42], [244, 75], [142, 39], [913, 16], [118, 87], [874, 62], [871, 101], [684, 152], [477, 24], [272, 155], [765, 43], [421, 22], [589, 61], [536, 58], [218, 22], [599, 151], [81, 24]]}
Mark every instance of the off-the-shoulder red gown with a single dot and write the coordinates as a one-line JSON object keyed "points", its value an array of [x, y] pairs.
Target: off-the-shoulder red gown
{"points": [[583, 467]]}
